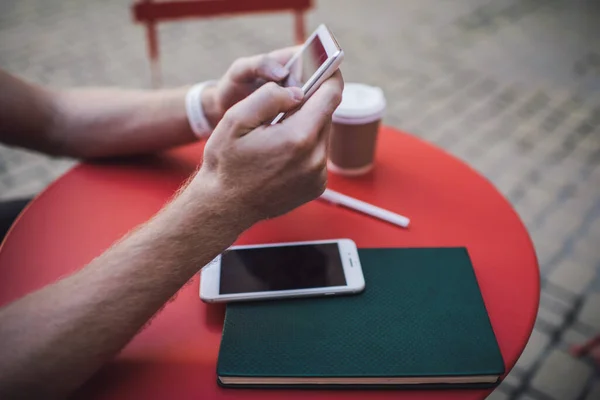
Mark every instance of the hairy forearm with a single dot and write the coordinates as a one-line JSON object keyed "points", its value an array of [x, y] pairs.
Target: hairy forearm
{"points": [[27, 114], [112, 122], [52, 340], [91, 122]]}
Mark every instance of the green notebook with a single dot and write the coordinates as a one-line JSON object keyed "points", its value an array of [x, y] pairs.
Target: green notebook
{"points": [[421, 322]]}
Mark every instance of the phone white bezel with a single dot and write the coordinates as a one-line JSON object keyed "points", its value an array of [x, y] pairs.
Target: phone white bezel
{"points": [[210, 276], [335, 56]]}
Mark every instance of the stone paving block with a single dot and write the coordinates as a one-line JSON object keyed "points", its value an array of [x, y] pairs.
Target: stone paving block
{"points": [[594, 393], [571, 276], [544, 250], [590, 311], [535, 200], [535, 346], [551, 319], [26, 190], [562, 293], [562, 222], [556, 304], [585, 252], [527, 396], [594, 175], [507, 182], [561, 376], [573, 336], [595, 287], [555, 178], [586, 146], [497, 394], [528, 219], [583, 199], [548, 247], [513, 379]]}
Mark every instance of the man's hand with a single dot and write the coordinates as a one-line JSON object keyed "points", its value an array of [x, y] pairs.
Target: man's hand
{"points": [[98, 122], [241, 79], [268, 170], [54, 339]]}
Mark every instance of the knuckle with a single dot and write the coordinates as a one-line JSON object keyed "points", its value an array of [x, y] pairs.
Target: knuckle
{"points": [[318, 167], [272, 88], [238, 64], [260, 63], [334, 92], [320, 183], [287, 146], [321, 165], [231, 120], [337, 97], [263, 60], [303, 143]]}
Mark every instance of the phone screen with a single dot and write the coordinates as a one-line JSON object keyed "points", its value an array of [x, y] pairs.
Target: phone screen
{"points": [[266, 269], [306, 64]]}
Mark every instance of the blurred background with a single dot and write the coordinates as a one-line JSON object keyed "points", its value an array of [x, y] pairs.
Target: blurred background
{"points": [[512, 87]]}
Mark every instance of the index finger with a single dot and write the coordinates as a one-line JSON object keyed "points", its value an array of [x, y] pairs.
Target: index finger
{"points": [[318, 109], [284, 55]]}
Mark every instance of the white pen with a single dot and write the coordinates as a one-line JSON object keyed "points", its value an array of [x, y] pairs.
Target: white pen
{"points": [[366, 208]]}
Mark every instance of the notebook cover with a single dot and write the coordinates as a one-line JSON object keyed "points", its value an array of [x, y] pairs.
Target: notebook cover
{"points": [[421, 315]]}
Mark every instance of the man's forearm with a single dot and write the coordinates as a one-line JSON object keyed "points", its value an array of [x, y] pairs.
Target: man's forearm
{"points": [[51, 341], [113, 122], [95, 122], [27, 113]]}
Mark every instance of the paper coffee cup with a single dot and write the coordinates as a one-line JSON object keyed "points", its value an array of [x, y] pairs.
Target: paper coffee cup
{"points": [[354, 130]]}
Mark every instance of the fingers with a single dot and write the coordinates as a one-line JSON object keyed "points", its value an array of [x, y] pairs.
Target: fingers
{"points": [[318, 160], [321, 150], [249, 69], [284, 55], [317, 111], [261, 106]]}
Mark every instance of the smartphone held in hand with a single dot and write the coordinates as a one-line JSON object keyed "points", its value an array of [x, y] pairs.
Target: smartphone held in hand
{"points": [[318, 58]]}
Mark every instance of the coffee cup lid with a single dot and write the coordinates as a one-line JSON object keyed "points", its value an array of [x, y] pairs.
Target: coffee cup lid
{"points": [[360, 104]]}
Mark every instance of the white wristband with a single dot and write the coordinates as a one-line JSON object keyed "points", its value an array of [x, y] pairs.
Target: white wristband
{"points": [[195, 113]]}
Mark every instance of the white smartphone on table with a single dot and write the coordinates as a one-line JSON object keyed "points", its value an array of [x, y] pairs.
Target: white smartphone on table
{"points": [[318, 58], [283, 270]]}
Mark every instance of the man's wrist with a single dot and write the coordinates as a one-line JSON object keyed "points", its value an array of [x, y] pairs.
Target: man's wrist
{"points": [[210, 105], [204, 198]]}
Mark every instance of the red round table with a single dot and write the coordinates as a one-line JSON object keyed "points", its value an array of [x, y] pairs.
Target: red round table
{"points": [[449, 204]]}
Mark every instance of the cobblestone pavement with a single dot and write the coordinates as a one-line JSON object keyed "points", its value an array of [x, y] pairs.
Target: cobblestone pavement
{"points": [[511, 87]]}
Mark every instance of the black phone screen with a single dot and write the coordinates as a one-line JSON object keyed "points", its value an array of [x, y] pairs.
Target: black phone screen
{"points": [[267, 269]]}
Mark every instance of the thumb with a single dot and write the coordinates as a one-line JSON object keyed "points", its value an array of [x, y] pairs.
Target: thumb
{"points": [[261, 106]]}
